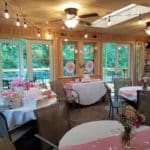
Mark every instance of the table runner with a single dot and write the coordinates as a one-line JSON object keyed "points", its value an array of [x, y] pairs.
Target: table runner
{"points": [[141, 141]]}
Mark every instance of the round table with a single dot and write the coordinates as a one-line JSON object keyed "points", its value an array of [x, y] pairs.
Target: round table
{"points": [[92, 131], [130, 92]]}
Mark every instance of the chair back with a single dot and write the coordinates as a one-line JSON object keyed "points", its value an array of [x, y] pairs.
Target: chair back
{"points": [[3, 127], [143, 100], [6, 144], [53, 121], [121, 82], [57, 87]]}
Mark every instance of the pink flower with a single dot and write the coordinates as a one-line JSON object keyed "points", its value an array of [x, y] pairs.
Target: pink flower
{"points": [[9, 93], [144, 80], [27, 85], [17, 82]]}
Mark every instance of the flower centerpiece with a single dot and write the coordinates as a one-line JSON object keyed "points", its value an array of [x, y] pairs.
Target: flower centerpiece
{"points": [[129, 118], [145, 82], [11, 98]]}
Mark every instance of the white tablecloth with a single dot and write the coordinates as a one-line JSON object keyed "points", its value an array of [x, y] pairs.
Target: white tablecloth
{"points": [[91, 131], [89, 92], [130, 92], [21, 115]]}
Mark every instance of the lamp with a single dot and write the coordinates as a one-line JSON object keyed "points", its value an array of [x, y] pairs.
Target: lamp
{"points": [[6, 14], [17, 21], [71, 23], [147, 30], [25, 23]]}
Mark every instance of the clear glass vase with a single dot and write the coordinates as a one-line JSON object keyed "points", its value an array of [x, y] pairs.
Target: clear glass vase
{"points": [[145, 86], [127, 136]]}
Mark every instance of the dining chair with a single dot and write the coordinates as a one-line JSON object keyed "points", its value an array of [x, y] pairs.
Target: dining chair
{"points": [[120, 82], [6, 144], [143, 104], [53, 123], [15, 134], [4, 131], [112, 104], [61, 93]]}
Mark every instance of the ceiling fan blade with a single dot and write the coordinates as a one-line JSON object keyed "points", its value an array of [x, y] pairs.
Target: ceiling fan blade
{"points": [[89, 15], [85, 22]]}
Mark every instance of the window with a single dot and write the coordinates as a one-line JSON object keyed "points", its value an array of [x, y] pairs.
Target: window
{"points": [[14, 54], [69, 59], [116, 60], [40, 62], [88, 57]]}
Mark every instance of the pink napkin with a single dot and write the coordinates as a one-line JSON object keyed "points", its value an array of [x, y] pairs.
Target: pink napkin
{"points": [[140, 142], [68, 87]]}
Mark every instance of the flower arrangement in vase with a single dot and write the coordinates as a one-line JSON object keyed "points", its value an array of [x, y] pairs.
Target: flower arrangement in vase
{"points": [[130, 118], [11, 98], [145, 82]]}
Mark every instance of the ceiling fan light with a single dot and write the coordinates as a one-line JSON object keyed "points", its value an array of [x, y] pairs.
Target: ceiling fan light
{"points": [[71, 23], [147, 30]]}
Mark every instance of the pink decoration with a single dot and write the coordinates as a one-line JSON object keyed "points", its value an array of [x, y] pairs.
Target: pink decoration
{"points": [[141, 142], [17, 82], [9, 93], [48, 93], [89, 66], [70, 67], [27, 85], [68, 87]]}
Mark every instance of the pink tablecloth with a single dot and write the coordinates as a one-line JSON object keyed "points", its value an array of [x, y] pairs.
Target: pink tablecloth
{"points": [[140, 142]]}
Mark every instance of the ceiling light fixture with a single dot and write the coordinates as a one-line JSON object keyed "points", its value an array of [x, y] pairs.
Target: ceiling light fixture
{"points": [[25, 23], [147, 30], [17, 21], [38, 33], [140, 19], [126, 13], [49, 36], [71, 20], [6, 14], [71, 23], [109, 21], [86, 36]]}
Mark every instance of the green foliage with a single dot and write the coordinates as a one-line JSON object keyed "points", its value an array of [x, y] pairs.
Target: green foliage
{"points": [[69, 51]]}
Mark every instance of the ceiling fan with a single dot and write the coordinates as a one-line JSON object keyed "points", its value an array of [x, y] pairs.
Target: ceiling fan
{"points": [[71, 19]]}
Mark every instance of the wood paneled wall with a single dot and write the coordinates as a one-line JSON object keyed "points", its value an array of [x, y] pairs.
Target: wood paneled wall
{"points": [[71, 35]]}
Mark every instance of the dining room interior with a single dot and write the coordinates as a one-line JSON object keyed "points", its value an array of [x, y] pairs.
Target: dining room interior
{"points": [[74, 75]]}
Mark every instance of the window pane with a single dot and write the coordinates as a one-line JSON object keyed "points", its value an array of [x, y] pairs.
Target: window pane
{"points": [[69, 62], [40, 62], [88, 56], [10, 60], [109, 60], [123, 59]]}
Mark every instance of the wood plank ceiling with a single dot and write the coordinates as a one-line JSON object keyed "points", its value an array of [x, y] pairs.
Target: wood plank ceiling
{"points": [[50, 14]]}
